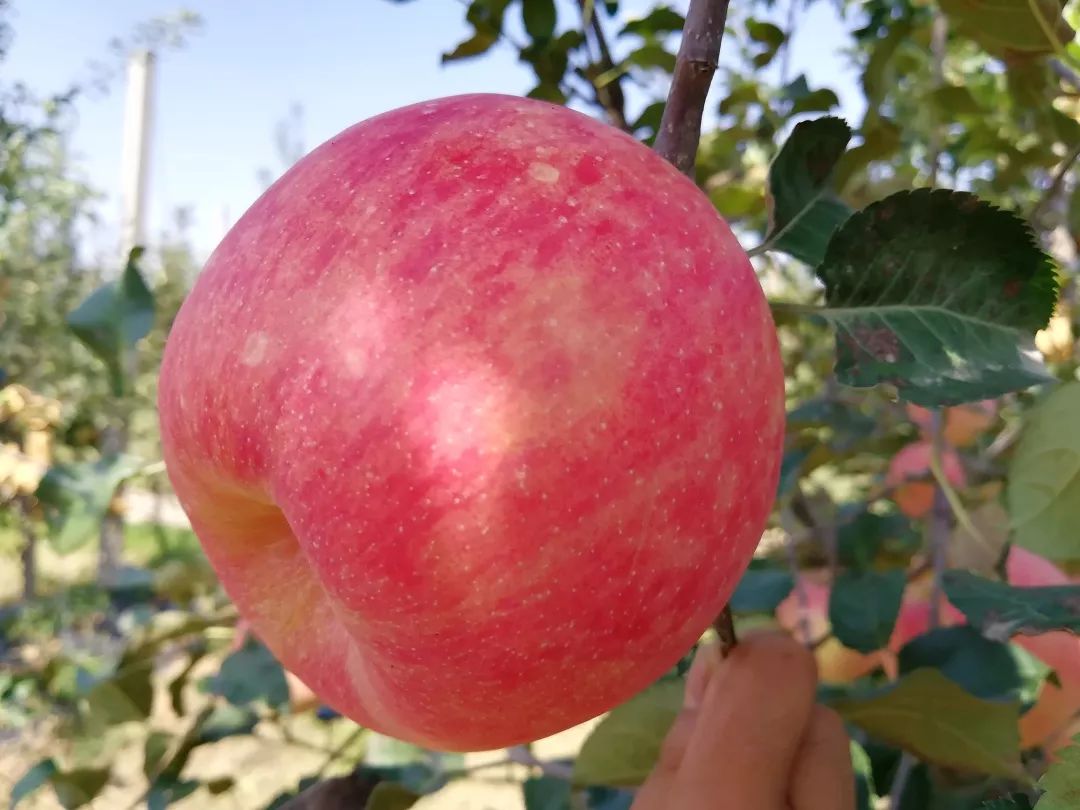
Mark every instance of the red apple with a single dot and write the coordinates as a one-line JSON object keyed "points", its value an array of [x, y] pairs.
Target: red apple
{"points": [[478, 414], [1050, 723], [908, 477], [964, 424]]}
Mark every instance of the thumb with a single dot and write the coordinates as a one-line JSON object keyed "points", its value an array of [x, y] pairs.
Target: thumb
{"points": [[737, 736]]}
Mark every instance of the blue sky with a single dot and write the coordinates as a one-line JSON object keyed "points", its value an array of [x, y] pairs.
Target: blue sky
{"points": [[218, 99]]}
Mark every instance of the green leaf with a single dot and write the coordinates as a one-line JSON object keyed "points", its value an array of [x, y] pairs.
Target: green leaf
{"points": [[992, 670], [126, 697], [661, 20], [767, 34], [391, 796], [761, 590], [547, 793], [954, 99], [166, 791], [226, 721], [220, 785], [862, 537], [1043, 492], [249, 674], [937, 293], [78, 787], [624, 746], [75, 498], [1006, 26], [154, 750], [928, 715], [37, 777], [1062, 781], [820, 100], [863, 607], [864, 777], [1001, 611], [539, 17], [486, 18], [114, 318], [803, 213], [652, 55], [180, 682]]}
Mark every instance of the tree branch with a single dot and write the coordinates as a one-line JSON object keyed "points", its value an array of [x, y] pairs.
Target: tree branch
{"points": [[939, 526], [680, 131], [699, 55], [609, 95], [1056, 182]]}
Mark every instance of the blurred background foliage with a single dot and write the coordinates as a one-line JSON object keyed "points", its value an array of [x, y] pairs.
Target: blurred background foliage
{"points": [[135, 685]]}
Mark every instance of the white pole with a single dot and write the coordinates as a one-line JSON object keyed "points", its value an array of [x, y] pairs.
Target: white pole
{"points": [[136, 149]]}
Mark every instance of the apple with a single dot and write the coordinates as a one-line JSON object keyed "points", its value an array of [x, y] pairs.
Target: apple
{"points": [[805, 614], [907, 474], [478, 414], [964, 424], [1053, 720]]}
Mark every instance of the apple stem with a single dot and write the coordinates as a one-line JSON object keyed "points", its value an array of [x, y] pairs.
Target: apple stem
{"points": [[699, 55]]}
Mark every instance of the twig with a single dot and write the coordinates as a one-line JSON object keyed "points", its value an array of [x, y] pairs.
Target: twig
{"points": [[699, 55], [608, 94], [1065, 73], [938, 526], [1055, 184], [801, 597], [521, 755], [1050, 33], [955, 505], [680, 131], [340, 749], [900, 779], [785, 57], [939, 40]]}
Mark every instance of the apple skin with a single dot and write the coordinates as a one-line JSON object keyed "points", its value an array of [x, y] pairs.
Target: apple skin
{"points": [[1045, 724], [478, 413]]}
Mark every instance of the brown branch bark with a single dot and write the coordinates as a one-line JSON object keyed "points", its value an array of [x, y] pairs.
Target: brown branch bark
{"points": [[699, 54], [680, 132]]}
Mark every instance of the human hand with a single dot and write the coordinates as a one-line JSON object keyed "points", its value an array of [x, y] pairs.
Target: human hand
{"points": [[750, 735]]}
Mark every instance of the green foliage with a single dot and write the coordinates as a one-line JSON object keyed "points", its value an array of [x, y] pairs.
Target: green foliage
{"points": [[390, 796], [76, 497], [804, 213], [863, 607], [547, 793], [623, 747], [113, 319], [761, 589], [1044, 477], [932, 717], [1003, 27], [864, 777], [991, 670], [1062, 781], [934, 292], [1001, 611], [251, 674]]}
